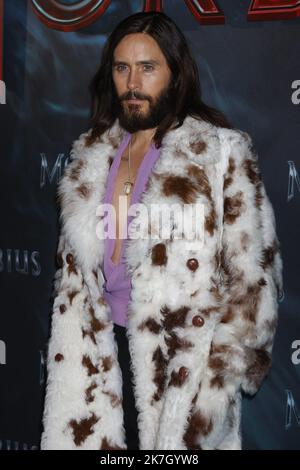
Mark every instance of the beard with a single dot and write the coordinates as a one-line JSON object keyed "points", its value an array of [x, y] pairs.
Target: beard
{"points": [[133, 119]]}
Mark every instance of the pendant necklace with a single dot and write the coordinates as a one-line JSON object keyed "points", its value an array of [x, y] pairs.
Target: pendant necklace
{"points": [[128, 184]]}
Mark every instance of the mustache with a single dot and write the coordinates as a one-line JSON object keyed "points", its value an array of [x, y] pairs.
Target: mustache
{"points": [[133, 95]]}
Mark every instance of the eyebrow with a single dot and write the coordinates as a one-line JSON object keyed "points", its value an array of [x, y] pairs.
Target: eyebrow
{"points": [[150, 61]]}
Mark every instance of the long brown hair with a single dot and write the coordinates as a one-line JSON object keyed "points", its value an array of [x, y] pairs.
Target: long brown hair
{"points": [[185, 84]]}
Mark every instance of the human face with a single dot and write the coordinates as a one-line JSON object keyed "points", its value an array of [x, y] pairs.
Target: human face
{"points": [[142, 78]]}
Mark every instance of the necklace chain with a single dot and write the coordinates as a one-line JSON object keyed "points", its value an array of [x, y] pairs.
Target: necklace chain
{"points": [[128, 183]]}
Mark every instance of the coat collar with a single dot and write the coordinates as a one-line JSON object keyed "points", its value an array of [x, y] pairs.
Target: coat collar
{"points": [[82, 188], [195, 139]]}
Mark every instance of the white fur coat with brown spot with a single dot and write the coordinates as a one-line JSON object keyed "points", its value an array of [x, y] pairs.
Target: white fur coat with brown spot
{"points": [[201, 322]]}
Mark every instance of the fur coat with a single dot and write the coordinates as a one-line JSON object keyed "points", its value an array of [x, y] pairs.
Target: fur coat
{"points": [[201, 321]]}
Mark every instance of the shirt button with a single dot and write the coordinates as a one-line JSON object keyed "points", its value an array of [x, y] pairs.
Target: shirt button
{"points": [[198, 320], [192, 264]]}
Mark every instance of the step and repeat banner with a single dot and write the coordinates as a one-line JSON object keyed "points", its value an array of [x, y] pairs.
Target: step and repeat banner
{"points": [[248, 55]]}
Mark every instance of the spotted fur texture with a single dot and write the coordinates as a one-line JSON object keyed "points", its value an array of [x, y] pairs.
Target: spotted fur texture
{"points": [[201, 322]]}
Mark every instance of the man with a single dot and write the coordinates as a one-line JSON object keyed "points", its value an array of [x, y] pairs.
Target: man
{"points": [[190, 326]]}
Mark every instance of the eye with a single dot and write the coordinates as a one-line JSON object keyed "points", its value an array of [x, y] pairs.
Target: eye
{"points": [[120, 68], [149, 67]]}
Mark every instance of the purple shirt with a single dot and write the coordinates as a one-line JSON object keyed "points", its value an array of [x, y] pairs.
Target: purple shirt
{"points": [[117, 285]]}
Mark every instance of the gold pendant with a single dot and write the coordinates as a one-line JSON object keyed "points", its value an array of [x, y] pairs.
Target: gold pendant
{"points": [[127, 187]]}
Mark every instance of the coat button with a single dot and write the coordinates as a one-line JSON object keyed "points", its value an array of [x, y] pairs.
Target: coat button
{"points": [[198, 320], [59, 357], [192, 264], [183, 373], [62, 308], [69, 258]]}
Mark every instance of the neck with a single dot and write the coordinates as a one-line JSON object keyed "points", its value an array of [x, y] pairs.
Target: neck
{"points": [[143, 137]]}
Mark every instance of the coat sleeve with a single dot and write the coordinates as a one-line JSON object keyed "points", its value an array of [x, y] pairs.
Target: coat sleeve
{"points": [[251, 268], [67, 286], [65, 340], [66, 264]]}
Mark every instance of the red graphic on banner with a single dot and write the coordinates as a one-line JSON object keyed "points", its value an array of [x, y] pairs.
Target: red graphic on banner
{"points": [[152, 5], [273, 10], [70, 17], [205, 11]]}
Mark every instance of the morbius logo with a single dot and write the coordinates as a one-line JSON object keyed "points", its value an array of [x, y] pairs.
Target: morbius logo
{"points": [[75, 15]]}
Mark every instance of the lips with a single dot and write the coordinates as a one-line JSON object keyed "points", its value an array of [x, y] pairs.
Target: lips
{"points": [[134, 101]]}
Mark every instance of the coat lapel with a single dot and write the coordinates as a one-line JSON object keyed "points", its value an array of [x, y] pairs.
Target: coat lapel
{"points": [[81, 191]]}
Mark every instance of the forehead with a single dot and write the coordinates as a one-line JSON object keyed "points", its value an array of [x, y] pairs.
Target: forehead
{"points": [[137, 46]]}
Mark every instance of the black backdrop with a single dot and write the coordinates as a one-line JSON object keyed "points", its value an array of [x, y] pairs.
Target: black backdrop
{"points": [[250, 70]]}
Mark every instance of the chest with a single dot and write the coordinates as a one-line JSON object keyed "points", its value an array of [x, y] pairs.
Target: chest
{"points": [[118, 192], [120, 200], [124, 173]]}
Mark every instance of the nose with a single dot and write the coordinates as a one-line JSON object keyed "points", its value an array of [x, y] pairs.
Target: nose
{"points": [[133, 80]]}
